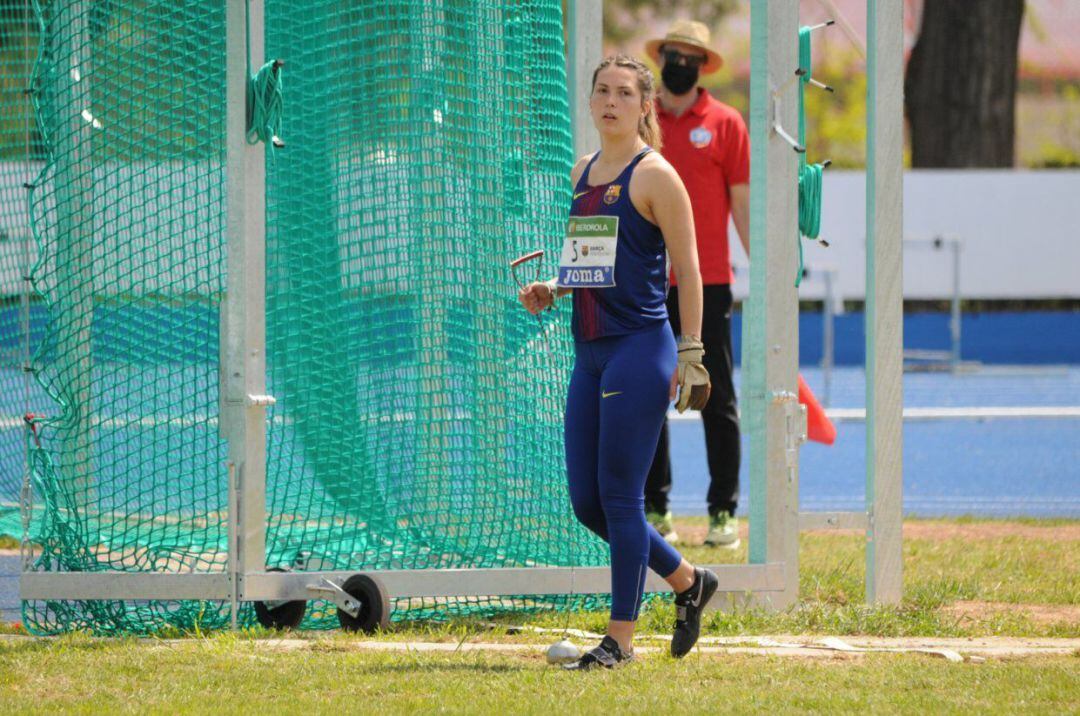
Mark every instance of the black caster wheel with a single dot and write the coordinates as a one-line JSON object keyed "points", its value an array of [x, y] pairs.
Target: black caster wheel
{"points": [[374, 605], [284, 615]]}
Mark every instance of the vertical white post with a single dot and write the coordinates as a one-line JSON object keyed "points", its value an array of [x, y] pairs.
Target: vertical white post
{"points": [[586, 24], [73, 178], [828, 336], [26, 550], [771, 348], [884, 300], [955, 316], [243, 332]]}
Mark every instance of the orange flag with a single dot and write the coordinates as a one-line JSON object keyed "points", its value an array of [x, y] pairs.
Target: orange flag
{"points": [[818, 426]]}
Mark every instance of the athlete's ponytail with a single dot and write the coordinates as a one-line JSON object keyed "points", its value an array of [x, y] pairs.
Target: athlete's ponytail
{"points": [[648, 125], [649, 128]]}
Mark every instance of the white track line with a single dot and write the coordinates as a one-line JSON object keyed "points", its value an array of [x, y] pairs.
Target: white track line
{"points": [[837, 414], [960, 413]]}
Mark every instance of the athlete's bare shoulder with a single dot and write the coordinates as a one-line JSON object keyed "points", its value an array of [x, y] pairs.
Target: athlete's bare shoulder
{"points": [[579, 168], [655, 175]]}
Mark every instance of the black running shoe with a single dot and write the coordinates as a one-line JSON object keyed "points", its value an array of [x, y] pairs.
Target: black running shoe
{"points": [[688, 608], [607, 656]]}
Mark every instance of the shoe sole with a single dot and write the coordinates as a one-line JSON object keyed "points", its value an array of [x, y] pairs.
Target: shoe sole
{"points": [[600, 667], [725, 545]]}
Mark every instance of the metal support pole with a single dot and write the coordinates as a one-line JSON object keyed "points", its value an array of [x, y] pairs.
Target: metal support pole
{"points": [[954, 318], [884, 300], [828, 336], [770, 362], [736, 579], [73, 292], [233, 536], [26, 495], [586, 49], [243, 331]]}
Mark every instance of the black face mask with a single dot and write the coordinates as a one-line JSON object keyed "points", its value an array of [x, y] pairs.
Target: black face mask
{"points": [[680, 79]]}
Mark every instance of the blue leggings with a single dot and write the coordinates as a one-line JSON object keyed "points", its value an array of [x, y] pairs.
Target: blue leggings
{"points": [[616, 404]]}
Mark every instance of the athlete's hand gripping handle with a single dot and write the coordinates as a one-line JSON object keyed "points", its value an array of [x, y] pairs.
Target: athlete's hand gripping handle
{"points": [[537, 296], [694, 384]]}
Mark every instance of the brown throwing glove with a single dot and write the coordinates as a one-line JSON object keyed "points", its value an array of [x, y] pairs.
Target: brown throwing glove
{"points": [[694, 385]]}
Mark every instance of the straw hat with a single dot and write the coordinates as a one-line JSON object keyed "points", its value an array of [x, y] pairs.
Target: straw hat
{"points": [[688, 32]]}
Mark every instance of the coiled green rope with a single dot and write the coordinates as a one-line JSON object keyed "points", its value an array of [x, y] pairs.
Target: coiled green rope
{"points": [[810, 200], [265, 105], [809, 174], [264, 99]]}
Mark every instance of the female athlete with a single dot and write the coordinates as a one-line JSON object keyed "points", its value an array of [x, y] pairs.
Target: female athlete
{"points": [[630, 214]]}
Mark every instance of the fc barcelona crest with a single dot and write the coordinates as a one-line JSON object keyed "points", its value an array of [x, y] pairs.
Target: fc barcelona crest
{"points": [[612, 194]]}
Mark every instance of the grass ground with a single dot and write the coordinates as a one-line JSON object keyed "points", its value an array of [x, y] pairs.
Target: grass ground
{"points": [[231, 675], [967, 578], [961, 578]]}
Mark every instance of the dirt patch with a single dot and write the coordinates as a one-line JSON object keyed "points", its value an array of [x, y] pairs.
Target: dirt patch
{"points": [[695, 534], [14, 552], [990, 530], [1037, 613]]}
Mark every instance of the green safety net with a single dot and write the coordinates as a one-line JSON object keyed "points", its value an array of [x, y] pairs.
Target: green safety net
{"points": [[418, 415], [19, 162]]}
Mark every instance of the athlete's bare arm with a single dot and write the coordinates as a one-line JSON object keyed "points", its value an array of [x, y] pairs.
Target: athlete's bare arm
{"points": [[659, 194]]}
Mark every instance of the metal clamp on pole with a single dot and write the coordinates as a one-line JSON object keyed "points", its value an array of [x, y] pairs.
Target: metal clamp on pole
{"points": [[795, 427], [779, 128], [794, 436], [262, 401], [799, 424], [780, 397], [802, 73], [820, 25]]}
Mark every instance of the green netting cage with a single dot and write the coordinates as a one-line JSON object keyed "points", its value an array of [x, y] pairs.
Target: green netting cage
{"points": [[260, 353], [415, 419]]}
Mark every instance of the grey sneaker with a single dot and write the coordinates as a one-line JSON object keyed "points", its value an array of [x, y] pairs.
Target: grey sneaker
{"points": [[606, 656], [723, 531], [663, 524]]}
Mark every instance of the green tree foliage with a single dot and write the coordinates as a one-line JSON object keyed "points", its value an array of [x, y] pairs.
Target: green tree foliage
{"points": [[836, 121], [623, 19], [18, 48], [1058, 152]]}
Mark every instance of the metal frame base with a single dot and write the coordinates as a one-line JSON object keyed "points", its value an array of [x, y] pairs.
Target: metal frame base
{"points": [[449, 583]]}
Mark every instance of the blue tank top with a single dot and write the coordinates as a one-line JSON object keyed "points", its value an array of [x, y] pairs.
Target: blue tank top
{"points": [[637, 300]]}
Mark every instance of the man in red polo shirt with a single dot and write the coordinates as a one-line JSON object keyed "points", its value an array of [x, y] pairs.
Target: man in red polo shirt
{"points": [[707, 143]]}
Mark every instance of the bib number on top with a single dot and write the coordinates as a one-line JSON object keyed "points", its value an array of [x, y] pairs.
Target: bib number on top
{"points": [[588, 253]]}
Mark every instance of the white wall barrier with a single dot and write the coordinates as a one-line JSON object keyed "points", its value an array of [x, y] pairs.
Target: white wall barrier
{"points": [[1019, 231]]}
